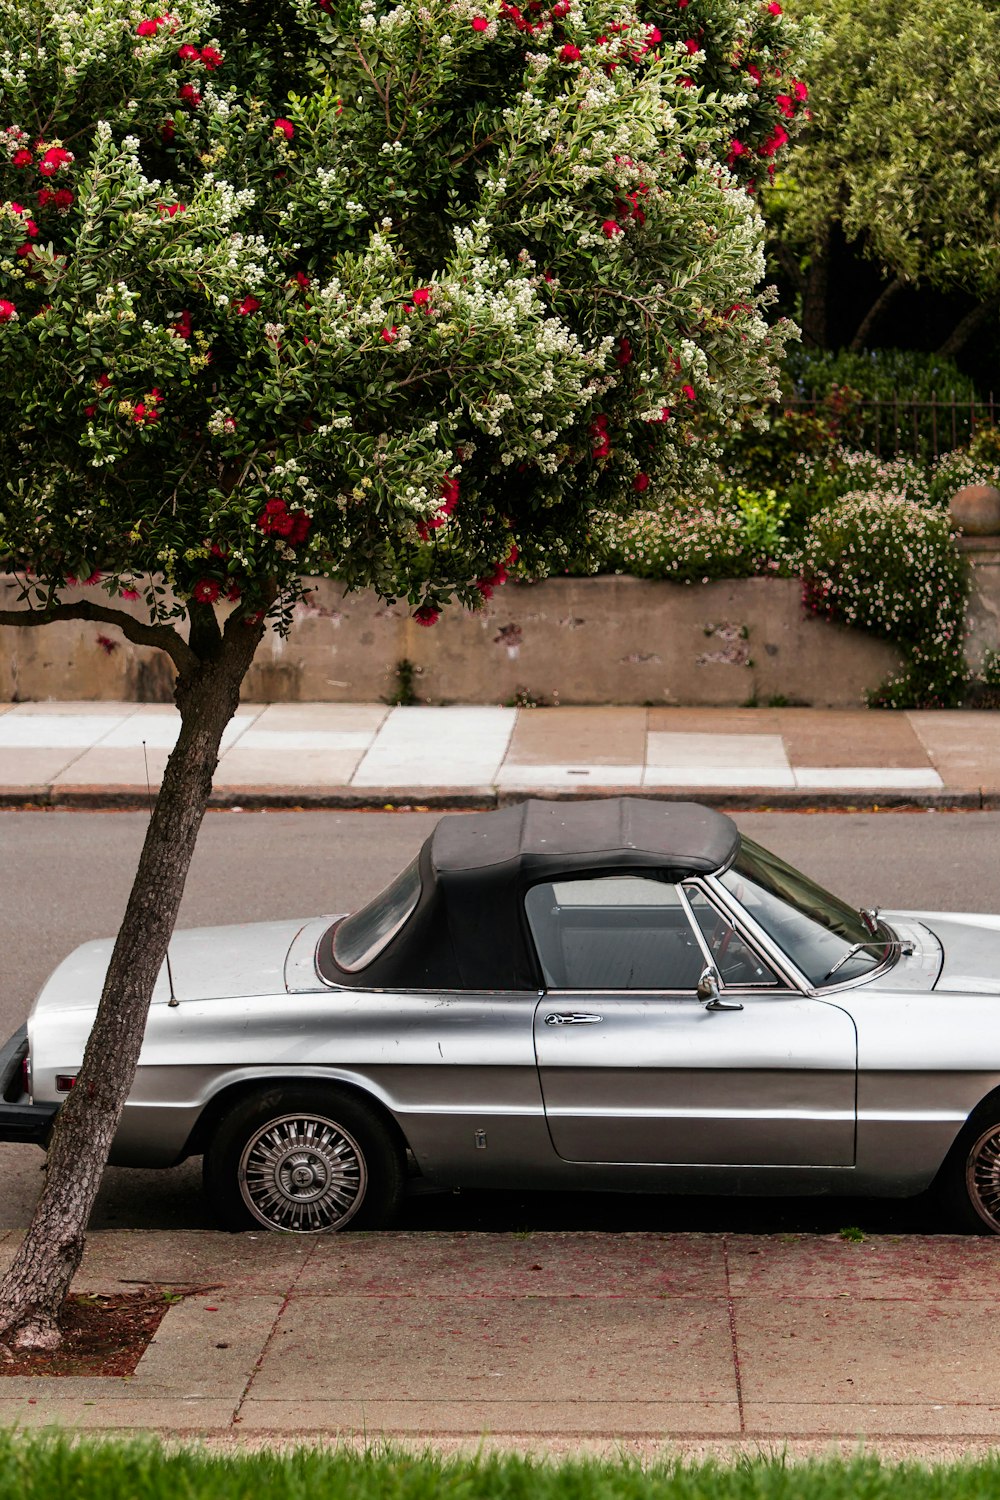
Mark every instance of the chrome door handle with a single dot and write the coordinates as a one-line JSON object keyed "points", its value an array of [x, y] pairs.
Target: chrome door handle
{"points": [[572, 1018]]}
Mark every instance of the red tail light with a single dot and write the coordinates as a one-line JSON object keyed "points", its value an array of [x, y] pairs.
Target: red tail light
{"points": [[64, 1082]]}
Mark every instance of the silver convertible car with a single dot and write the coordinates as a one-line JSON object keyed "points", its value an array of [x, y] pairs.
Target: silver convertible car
{"points": [[616, 994]]}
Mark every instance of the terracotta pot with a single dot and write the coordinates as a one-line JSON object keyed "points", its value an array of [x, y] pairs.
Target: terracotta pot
{"points": [[976, 510]]}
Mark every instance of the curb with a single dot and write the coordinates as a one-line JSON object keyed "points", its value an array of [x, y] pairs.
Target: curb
{"points": [[125, 798]]}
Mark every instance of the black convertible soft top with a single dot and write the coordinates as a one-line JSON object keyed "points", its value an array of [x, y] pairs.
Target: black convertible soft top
{"points": [[468, 930]]}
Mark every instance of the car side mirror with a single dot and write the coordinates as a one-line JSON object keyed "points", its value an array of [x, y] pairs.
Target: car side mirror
{"points": [[709, 991], [708, 984]]}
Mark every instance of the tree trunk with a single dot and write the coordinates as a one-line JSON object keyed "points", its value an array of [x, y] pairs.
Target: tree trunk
{"points": [[814, 295], [871, 317], [33, 1290]]}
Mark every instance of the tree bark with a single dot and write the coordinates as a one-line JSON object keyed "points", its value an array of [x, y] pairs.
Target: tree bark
{"points": [[871, 317], [207, 695]]}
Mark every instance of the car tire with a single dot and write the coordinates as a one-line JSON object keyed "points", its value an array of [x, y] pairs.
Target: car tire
{"points": [[970, 1179], [304, 1159]]}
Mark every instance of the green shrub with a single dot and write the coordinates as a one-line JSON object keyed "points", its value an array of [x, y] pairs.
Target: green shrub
{"points": [[887, 564], [699, 542], [953, 471]]}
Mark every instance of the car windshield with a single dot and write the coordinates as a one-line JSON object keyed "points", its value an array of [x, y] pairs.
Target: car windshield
{"points": [[360, 938], [818, 931]]}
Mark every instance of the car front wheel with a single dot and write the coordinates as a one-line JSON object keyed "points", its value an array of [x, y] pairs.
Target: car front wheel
{"points": [[304, 1159], [969, 1183]]}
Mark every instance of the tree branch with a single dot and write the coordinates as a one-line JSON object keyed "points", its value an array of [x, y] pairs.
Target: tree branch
{"points": [[966, 327], [871, 317], [163, 637]]}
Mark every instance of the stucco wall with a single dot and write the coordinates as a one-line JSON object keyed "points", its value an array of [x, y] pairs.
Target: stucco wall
{"points": [[571, 640]]}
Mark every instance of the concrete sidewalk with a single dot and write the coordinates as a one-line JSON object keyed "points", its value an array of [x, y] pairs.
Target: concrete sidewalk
{"points": [[363, 755], [648, 1343]]}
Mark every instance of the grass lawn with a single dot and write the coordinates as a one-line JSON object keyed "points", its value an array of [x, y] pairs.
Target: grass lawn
{"points": [[57, 1468]]}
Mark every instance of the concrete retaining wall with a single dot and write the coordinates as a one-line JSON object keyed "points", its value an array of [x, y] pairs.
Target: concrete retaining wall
{"points": [[568, 640]]}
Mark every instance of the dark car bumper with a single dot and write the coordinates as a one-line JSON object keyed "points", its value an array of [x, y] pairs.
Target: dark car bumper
{"points": [[20, 1120]]}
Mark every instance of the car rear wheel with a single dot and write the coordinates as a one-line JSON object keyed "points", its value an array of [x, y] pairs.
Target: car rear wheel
{"points": [[971, 1178], [304, 1159]]}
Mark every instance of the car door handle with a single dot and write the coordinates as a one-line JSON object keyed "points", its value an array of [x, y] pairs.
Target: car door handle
{"points": [[572, 1018]]}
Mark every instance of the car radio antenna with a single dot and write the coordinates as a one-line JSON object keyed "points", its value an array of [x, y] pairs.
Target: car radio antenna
{"points": [[173, 1001]]}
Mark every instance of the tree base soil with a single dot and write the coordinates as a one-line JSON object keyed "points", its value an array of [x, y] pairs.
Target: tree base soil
{"points": [[102, 1335]]}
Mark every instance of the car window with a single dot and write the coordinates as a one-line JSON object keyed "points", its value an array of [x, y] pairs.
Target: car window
{"points": [[735, 959], [360, 938], [621, 932]]}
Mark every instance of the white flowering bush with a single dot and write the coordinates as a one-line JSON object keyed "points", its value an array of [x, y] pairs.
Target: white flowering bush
{"points": [[390, 292], [887, 563]]}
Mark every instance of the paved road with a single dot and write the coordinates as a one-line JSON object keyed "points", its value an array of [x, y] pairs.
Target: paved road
{"points": [[64, 877]]}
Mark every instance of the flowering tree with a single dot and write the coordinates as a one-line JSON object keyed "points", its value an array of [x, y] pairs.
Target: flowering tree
{"points": [[397, 295], [902, 155]]}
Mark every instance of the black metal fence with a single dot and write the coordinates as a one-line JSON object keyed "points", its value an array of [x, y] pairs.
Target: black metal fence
{"points": [[922, 426]]}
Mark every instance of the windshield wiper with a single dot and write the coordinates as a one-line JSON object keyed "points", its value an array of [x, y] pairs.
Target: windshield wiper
{"points": [[857, 948]]}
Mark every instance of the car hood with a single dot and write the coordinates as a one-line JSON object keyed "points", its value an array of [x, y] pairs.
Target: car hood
{"points": [[971, 951], [207, 963]]}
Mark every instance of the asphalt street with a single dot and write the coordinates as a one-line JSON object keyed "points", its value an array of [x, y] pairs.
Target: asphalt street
{"points": [[65, 877]]}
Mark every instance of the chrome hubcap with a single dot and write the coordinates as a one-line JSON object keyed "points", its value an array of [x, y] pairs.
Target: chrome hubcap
{"points": [[982, 1178], [302, 1173]]}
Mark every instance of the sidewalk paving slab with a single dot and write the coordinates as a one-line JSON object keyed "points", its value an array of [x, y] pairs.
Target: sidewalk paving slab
{"points": [[665, 1341], [571, 1265]]}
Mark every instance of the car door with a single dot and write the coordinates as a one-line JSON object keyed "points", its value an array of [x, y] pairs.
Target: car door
{"points": [[635, 1068]]}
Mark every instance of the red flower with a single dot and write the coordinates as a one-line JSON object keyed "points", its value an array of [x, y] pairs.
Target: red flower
{"points": [[150, 26], [302, 279], [427, 615], [187, 53], [800, 91], [774, 142], [665, 414], [561, 8], [247, 306], [774, 8], [22, 158], [89, 411], [785, 105], [102, 382], [182, 327], [142, 414], [640, 483], [754, 72], [211, 58], [128, 593], [233, 592], [688, 391], [53, 159], [449, 492], [624, 355], [285, 128], [598, 425], [569, 53], [686, 83], [421, 297], [167, 132], [219, 549], [8, 312], [602, 449], [389, 335], [168, 210], [611, 228], [691, 45], [301, 525], [188, 94], [206, 591], [736, 148], [479, 23]]}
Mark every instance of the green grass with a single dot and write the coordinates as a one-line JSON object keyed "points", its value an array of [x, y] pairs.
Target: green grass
{"points": [[46, 1467]]}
